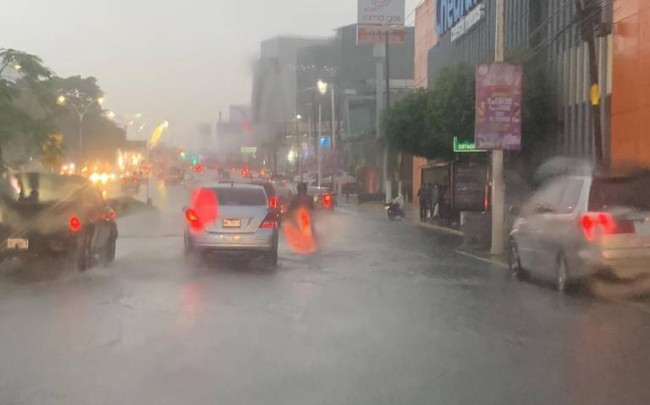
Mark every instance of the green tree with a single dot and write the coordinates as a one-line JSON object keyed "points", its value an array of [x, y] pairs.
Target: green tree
{"points": [[101, 136], [405, 123], [451, 110], [22, 76], [425, 122]]}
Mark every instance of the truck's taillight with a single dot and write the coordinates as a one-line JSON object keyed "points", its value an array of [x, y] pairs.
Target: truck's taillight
{"points": [[193, 220], [270, 222], [74, 223], [603, 223]]}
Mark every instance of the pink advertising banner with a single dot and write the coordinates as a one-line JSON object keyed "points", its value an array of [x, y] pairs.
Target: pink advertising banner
{"points": [[498, 106]]}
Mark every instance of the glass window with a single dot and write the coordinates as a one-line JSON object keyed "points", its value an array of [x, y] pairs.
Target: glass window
{"points": [[549, 196], [42, 188], [240, 196], [571, 196], [630, 192]]}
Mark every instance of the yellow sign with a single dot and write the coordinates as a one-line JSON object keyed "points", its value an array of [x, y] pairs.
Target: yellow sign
{"points": [[595, 94], [157, 133]]}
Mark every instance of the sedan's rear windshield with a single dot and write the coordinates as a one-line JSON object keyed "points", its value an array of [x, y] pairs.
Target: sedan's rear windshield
{"points": [[240, 196], [41, 187], [628, 192]]}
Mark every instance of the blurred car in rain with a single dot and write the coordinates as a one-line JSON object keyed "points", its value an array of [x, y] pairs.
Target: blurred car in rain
{"points": [[591, 228], [48, 215], [232, 219], [323, 198], [130, 184], [173, 175]]}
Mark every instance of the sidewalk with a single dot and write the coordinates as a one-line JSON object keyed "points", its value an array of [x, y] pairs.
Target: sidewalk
{"points": [[481, 254]]}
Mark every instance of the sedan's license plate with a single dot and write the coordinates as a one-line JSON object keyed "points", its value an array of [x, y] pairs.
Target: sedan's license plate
{"points": [[18, 243], [231, 223]]}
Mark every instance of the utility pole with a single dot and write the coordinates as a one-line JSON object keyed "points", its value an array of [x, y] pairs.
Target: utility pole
{"points": [[588, 13], [385, 175], [320, 136], [498, 185], [380, 54]]}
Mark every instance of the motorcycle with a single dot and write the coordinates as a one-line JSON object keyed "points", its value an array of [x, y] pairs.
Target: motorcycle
{"points": [[394, 211]]}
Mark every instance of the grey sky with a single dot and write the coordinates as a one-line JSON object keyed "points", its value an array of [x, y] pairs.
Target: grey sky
{"points": [[178, 60]]}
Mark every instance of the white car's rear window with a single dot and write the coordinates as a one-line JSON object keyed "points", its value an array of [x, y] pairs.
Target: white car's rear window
{"points": [[240, 196]]}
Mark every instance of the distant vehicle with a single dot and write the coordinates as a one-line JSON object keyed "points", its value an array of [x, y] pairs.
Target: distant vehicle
{"points": [[323, 198], [594, 228], [271, 194], [130, 184], [232, 219], [286, 191], [174, 175], [46, 215]]}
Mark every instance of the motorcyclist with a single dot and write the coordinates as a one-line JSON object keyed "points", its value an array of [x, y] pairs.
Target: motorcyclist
{"points": [[302, 199]]}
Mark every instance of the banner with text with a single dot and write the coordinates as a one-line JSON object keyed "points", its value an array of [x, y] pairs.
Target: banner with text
{"points": [[498, 106], [373, 34], [381, 12]]}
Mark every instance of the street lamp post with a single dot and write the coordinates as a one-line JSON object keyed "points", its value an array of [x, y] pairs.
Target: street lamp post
{"points": [[81, 111], [299, 145]]}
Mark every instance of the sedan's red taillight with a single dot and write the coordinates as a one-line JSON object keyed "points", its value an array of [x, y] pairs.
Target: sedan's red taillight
{"points": [[270, 222], [74, 223], [273, 202], [603, 223], [193, 220]]}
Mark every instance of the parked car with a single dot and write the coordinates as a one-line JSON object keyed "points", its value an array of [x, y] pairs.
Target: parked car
{"points": [[234, 219], [594, 228], [130, 184], [48, 215]]}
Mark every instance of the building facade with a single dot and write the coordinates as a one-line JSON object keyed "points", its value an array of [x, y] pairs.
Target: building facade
{"points": [[630, 83], [547, 31]]}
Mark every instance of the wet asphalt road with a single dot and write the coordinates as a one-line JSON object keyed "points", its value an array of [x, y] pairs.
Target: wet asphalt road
{"points": [[385, 313]]}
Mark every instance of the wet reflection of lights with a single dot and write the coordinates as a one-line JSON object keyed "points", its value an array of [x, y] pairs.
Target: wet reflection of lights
{"points": [[192, 305], [205, 205], [298, 231], [163, 200]]}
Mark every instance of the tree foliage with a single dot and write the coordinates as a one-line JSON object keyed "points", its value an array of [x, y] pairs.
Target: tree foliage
{"points": [[23, 76], [425, 122]]}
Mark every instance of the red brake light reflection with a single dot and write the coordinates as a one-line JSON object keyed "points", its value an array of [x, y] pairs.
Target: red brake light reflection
{"points": [[74, 223], [327, 200], [602, 222], [193, 220]]}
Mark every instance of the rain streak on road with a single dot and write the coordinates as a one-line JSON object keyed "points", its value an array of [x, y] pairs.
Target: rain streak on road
{"points": [[384, 312]]}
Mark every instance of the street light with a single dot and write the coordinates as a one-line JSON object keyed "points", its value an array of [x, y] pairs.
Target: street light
{"points": [[81, 107]]}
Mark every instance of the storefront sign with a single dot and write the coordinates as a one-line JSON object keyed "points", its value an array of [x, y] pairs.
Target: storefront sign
{"points": [[450, 12], [465, 147], [498, 106], [466, 23], [381, 12], [376, 34]]}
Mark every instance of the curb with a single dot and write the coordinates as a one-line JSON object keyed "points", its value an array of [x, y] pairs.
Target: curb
{"points": [[439, 228], [490, 260]]}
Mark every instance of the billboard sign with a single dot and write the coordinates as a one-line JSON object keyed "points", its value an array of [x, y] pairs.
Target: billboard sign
{"points": [[498, 106], [374, 34], [380, 12], [450, 12]]}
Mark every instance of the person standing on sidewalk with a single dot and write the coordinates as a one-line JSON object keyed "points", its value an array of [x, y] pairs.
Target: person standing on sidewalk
{"points": [[433, 201], [422, 200]]}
